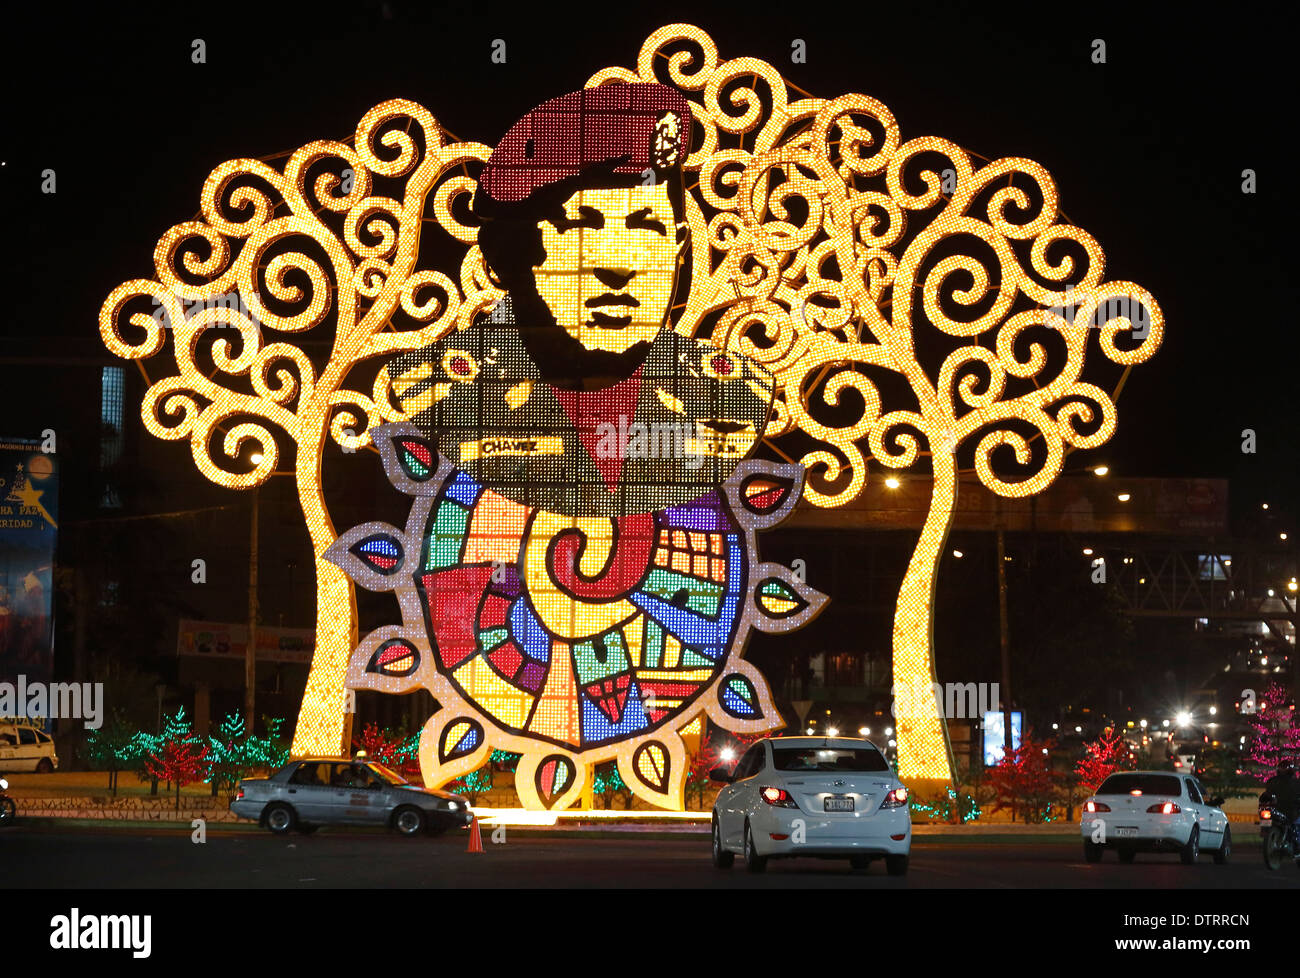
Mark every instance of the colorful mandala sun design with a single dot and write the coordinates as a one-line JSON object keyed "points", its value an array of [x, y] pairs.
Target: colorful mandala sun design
{"points": [[572, 640]]}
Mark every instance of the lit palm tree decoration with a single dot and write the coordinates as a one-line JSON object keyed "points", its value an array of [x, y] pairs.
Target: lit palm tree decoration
{"points": [[858, 268]]}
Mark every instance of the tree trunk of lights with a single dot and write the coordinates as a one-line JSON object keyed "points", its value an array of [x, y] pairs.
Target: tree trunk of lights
{"points": [[250, 650], [924, 752], [320, 726], [1003, 639]]}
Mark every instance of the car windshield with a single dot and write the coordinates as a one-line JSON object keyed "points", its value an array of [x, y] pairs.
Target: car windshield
{"points": [[828, 759], [391, 777], [1147, 784]]}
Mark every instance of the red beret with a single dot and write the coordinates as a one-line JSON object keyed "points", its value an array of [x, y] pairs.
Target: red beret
{"points": [[561, 137]]}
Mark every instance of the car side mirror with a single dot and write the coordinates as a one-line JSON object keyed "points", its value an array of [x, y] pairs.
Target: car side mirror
{"points": [[1217, 801], [720, 774]]}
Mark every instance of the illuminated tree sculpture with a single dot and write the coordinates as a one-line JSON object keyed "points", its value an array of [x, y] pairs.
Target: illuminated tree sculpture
{"points": [[908, 302], [327, 249]]}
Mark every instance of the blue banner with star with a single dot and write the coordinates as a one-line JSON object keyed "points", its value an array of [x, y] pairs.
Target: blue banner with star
{"points": [[29, 497]]}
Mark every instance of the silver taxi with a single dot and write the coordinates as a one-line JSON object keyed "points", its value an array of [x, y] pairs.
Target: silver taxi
{"points": [[314, 791]]}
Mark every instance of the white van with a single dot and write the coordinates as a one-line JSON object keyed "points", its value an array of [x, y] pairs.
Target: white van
{"points": [[24, 747]]}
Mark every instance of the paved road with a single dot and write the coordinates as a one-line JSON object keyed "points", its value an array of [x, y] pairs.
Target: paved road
{"points": [[90, 858]]}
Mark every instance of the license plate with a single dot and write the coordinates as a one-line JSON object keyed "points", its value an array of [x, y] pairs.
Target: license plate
{"points": [[839, 804], [1126, 831]]}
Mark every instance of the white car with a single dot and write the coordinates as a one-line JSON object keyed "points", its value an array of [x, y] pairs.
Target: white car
{"points": [[25, 747], [1154, 811], [829, 797]]}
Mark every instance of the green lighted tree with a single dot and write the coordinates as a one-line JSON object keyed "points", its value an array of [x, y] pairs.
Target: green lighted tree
{"points": [[227, 750], [473, 784], [113, 748]]}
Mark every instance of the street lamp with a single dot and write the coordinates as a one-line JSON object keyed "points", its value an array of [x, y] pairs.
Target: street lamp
{"points": [[250, 648]]}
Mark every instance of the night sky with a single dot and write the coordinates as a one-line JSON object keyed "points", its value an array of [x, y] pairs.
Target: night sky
{"points": [[1147, 151]]}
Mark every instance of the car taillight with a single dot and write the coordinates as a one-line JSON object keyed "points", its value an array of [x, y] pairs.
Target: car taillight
{"points": [[1164, 808], [778, 797], [1265, 813], [897, 798], [1096, 806], [240, 793]]}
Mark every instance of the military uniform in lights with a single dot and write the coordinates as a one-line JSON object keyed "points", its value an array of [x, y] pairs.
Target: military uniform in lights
{"points": [[667, 434]]}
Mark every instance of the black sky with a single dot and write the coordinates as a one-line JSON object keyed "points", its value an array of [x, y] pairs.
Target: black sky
{"points": [[1147, 152]]}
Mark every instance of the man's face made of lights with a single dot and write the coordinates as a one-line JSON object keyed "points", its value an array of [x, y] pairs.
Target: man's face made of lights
{"points": [[610, 266]]}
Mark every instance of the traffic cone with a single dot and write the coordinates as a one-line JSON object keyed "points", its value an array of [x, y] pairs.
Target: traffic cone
{"points": [[475, 837]]}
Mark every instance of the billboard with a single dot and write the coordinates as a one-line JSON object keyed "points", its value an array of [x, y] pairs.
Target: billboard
{"points": [[995, 742], [29, 497], [223, 640]]}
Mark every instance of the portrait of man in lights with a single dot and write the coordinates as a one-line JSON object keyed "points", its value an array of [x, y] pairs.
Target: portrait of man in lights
{"points": [[574, 394]]}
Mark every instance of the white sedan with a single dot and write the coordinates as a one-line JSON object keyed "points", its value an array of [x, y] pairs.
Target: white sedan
{"points": [[829, 797], [1154, 811]]}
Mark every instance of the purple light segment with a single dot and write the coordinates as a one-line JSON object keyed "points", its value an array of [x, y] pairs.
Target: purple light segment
{"points": [[704, 514]]}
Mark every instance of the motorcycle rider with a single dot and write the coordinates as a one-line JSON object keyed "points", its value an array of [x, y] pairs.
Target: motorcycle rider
{"points": [[1284, 785]]}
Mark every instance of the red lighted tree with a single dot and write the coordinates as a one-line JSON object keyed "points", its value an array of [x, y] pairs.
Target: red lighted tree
{"points": [[1024, 779], [712, 753], [1276, 735], [389, 748], [1101, 758], [179, 757]]}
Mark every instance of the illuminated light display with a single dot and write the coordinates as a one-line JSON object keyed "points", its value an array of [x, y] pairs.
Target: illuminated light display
{"points": [[574, 640], [814, 262]]}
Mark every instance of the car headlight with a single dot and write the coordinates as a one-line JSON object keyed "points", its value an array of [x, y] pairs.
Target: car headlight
{"points": [[453, 806]]}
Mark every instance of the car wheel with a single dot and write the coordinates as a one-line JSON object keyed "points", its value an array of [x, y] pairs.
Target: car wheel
{"points": [[1092, 852], [280, 819], [409, 821], [1189, 852], [1127, 855], [8, 811], [753, 861], [860, 862], [721, 858], [1225, 849], [896, 865], [306, 829], [44, 767]]}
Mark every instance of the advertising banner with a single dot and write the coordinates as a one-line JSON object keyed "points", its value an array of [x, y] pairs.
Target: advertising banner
{"points": [[223, 640], [29, 497]]}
